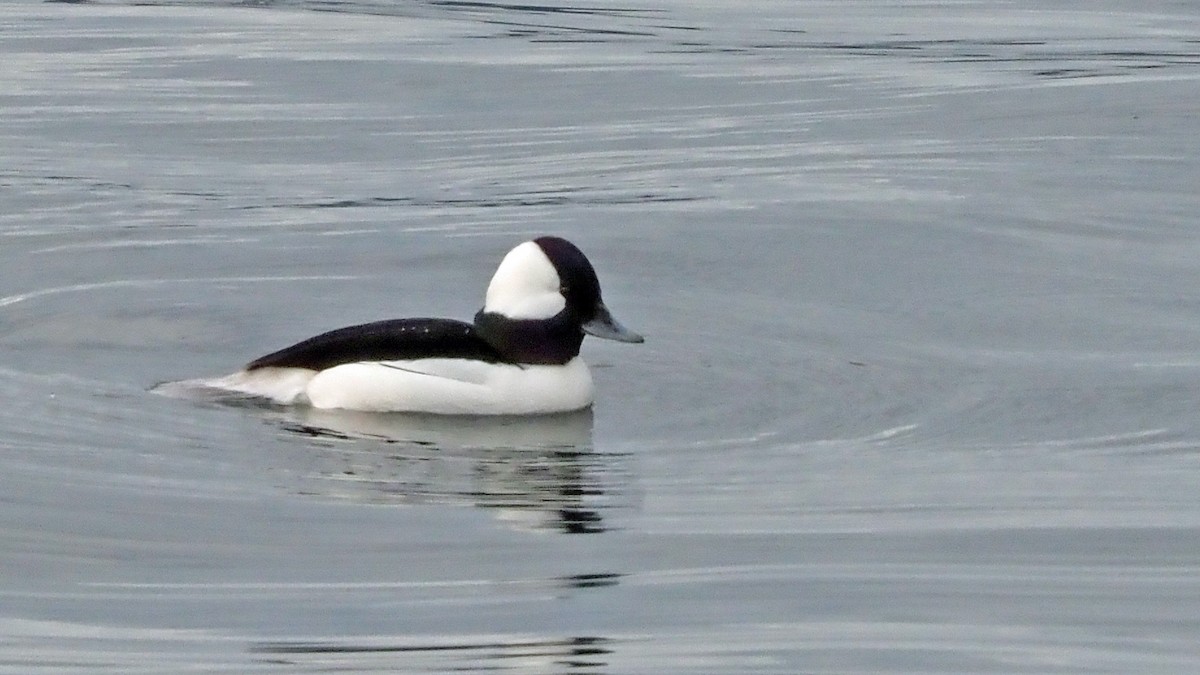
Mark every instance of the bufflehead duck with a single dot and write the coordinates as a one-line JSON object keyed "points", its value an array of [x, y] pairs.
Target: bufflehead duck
{"points": [[519, 357]]}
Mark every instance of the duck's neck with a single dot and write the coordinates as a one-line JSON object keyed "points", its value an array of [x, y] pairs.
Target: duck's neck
{"points": [[552, 341]]}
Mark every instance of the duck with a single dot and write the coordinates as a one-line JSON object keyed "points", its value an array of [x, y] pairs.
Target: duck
{"points": [[519, 356]]}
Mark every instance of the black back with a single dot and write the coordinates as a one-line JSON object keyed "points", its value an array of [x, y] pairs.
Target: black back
{"points": [[391, 340]]}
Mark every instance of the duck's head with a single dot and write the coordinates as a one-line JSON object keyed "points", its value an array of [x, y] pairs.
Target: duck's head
{"points": [[541, 301]]}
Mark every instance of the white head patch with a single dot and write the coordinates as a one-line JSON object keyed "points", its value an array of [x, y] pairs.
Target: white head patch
{"points": [[525, 286]]}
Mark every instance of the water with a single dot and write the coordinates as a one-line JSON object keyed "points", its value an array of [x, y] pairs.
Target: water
{"points": [[918, 283]]}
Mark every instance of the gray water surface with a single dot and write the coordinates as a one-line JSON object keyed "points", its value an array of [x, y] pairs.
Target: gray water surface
{"points": [[919, 285]]}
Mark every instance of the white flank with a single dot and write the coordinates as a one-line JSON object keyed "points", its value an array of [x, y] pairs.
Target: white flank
{"points": [[453, 387], [439, 386]]}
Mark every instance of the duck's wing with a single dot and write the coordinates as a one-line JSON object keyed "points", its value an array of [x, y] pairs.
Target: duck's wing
{"points": [[462, 370], [394, 341]]}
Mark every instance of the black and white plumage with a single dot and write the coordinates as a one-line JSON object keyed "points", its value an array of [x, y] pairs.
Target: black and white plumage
{"points": [[520, 356]]}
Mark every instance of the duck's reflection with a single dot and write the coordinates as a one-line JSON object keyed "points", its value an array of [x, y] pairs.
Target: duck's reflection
{"points": [[582, 653], [536, 472], [564, 430]]}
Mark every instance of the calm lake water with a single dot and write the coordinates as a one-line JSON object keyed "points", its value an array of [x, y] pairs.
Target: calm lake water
{"points": [[920, 284]]}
